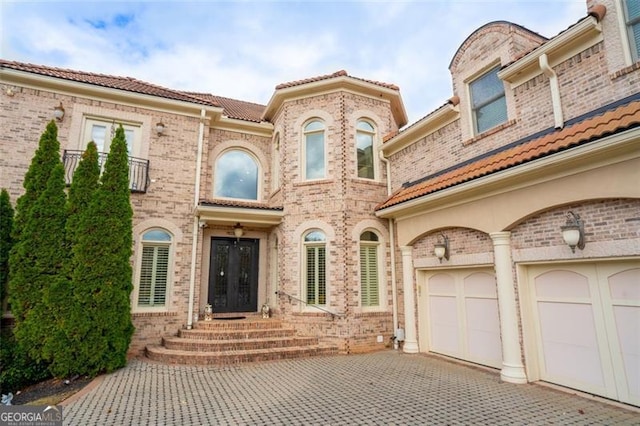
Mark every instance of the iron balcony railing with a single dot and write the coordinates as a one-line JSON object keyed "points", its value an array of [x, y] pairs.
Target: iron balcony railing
{"points": [[138, 169]]}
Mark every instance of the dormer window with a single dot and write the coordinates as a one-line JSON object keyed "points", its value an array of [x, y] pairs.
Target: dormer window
{"points": [[488, 102]]}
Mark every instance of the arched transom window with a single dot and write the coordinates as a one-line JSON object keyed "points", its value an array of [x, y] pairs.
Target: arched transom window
{"points": [[365, 134], [236, 176]]}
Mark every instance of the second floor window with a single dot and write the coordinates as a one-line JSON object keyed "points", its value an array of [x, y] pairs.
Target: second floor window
{"points": [[488, 102], [102, 132], [314, 150], [365, 134], [236, 176], [632, 19]]}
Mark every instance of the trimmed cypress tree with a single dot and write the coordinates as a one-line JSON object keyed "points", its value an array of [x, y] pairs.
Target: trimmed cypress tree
{"points": [[102, 275], [62, 348], [6, 225], [37, 256]]}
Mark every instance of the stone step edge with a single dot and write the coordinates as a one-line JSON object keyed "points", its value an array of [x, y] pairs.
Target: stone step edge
{"points": [[162, 351], [179, 339]]}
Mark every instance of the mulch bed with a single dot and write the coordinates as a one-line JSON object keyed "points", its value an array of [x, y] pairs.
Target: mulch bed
{"points": [[49, 392]]}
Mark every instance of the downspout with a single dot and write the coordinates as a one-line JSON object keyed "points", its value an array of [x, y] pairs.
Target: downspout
{"points": [[196, 220], [392, 243], [555, 90]]}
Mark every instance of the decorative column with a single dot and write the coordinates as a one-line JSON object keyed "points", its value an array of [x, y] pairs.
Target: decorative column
{"points": [[410, 330], [512, 368]]}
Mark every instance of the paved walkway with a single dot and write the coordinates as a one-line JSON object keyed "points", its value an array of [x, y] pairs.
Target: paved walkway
{"points": [[384, 388]]}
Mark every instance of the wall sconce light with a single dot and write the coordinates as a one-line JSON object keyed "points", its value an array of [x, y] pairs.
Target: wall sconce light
{"points": [[238, 231], [441, 248], [573, 232], [58, 112], [160, 128]]}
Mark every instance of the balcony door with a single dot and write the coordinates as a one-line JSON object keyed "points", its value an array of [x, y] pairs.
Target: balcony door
{"points": [[233, 275]]}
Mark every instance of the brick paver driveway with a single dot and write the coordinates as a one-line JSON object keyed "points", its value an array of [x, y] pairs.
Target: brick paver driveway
{"points": [[384, 388]]}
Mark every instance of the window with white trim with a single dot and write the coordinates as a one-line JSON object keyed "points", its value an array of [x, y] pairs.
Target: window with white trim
{"points": [[314, 150], [153, 280], [369, 273], [632, 21], [315, 268], [102, 132], [488, 101], [365, 136], [236, 176]]}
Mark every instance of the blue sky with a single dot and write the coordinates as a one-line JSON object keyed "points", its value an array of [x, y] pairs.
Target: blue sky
{"points": [[243, 49]]}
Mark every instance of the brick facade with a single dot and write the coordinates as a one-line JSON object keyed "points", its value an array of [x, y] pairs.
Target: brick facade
{"points": [[341, 205]]}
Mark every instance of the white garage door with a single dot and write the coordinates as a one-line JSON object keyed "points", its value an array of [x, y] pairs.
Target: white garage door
{"points": [[462, 316], [587, 327]]}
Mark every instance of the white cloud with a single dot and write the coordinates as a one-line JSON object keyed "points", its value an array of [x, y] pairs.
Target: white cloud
{"points": [[244, 49]]}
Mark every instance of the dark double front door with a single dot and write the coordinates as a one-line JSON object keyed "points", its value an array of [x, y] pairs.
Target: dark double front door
{"points": [[233, 275]]}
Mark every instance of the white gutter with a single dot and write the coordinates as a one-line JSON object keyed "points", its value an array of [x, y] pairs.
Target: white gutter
{"points": [[555, 90], [196, 220], [392, 245]]}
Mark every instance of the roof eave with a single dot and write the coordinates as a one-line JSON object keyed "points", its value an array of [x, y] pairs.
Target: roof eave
{"points": [[440, 118], [581, 36], [608, 150], [75, 88], [332, 85], [262, 128]]}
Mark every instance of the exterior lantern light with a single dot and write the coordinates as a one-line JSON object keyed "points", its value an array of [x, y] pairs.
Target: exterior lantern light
{"points": [[160, 128], [238, 231], [58, 112], [441, 248], [573, 232]]}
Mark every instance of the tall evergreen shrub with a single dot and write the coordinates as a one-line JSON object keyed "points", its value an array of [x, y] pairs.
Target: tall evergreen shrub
{"points": [[65, 348], [37, 257], [102, 273], [6, 225]]}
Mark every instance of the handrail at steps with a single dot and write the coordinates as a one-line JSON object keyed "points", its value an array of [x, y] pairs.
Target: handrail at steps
{"points": [[333, 314]]}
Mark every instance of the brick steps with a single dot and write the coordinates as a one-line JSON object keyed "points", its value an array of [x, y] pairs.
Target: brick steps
{"points": [[204, 345], [226, 342]]}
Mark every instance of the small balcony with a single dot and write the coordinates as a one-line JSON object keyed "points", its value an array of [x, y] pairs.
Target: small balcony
{"points": [[138, 169]]}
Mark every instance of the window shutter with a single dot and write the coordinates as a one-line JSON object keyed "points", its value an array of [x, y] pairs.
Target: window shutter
{"points": [[146, 276], [161, 276], [369, 285]]}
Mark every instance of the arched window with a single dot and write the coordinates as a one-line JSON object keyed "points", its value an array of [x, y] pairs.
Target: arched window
{"points": [[153, 280], [315, 268], [365, 134], [314, 150], [236, 176], [369, 277]]}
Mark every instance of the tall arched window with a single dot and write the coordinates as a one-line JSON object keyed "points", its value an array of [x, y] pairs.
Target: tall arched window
{"points": [[365, 134], [153, 279], [315, 268], [314, 150], [369, 278], [236, 176]]}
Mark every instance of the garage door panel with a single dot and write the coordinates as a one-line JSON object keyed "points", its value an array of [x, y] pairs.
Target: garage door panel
{"points": [[628, 333], [570, 348], [483, 331], [586, 318], [444, 325]]}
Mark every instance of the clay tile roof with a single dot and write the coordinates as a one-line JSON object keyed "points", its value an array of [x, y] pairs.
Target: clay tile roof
{"points": [[234, 108], [113, 82], [341, 73], [620, 116]]}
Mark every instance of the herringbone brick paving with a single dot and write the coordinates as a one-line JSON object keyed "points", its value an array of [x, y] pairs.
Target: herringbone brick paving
{"points": [[384, 388]]}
